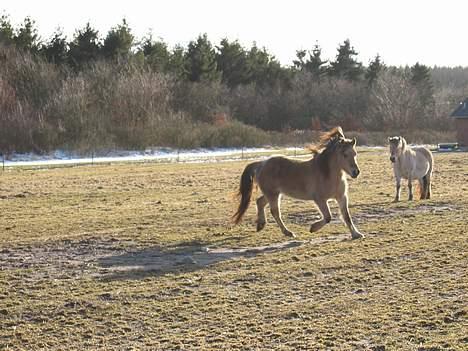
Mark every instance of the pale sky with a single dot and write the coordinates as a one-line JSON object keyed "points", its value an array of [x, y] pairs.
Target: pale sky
{"points": [[401, 31]]}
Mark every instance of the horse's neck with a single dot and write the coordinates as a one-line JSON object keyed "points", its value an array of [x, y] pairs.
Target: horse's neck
{"points": [[405, 160], [335, 172], [327, 166], [406, 153]]}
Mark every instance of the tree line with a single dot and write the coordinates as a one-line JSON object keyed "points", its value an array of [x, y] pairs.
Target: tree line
{"points": [[117, 91]]}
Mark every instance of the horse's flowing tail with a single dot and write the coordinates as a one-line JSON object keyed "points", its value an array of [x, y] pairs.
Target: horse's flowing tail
{"points": [[426, 179], [245, 190]]}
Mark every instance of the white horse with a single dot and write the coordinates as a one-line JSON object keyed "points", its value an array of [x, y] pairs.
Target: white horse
{"points": [[411, 163]]}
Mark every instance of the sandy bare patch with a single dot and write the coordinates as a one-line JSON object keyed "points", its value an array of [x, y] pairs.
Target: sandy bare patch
{"points": [[102, 257]]}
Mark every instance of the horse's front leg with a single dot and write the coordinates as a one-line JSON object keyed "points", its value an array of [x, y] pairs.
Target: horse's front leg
{"points": [[343, 202], [398, 188], [326, 216], [410, 188], [422, 188]]}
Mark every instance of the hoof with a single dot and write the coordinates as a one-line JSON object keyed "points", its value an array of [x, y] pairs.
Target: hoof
{"points": [[289, 234], [314, 228], [260, 226], [357, 235]]}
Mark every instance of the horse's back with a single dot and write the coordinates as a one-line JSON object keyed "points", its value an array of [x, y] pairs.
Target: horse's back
{"points": [[279, 167], [280, 174], [423, 159], [425, 152]]}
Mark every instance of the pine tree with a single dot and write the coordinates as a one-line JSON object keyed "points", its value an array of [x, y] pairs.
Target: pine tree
{"points": [[420, 78], [27, 37], [118, 42], [201, 60], [156, 54], [346, 65], [315, 64], [300, 63], [232, 62], [85, 47], [56, 50], [6, 31], [373, 70], [264, 68], [177, 62], [420, 74]]}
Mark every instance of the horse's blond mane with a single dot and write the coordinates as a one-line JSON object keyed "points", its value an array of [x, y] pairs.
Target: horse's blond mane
{"points": [[403, 143], [325, 138], [396, 140]]}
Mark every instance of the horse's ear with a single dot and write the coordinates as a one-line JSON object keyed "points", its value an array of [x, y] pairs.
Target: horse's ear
{"points": [[339, 131]]}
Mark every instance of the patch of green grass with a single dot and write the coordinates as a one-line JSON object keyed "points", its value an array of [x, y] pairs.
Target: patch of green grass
{"points": [[114, 257]]}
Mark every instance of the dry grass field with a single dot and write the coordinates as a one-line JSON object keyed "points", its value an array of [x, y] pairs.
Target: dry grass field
{"points": [[144, 257]]}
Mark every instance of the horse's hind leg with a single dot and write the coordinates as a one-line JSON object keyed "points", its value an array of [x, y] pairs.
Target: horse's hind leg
{"points": [[326, 216], [428, 186], [422, 188], [274, 201], [261, 218]]}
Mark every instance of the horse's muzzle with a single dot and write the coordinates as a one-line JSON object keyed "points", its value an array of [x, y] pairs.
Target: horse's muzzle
{"points": [[392, 158], [355, 173]]}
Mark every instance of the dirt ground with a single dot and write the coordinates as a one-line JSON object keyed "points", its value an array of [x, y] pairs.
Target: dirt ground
{"points": [[144, 256]]}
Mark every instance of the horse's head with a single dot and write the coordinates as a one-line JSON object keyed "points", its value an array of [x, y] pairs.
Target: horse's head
{"points": [[397, 144], [343, 150], [347, 156]]}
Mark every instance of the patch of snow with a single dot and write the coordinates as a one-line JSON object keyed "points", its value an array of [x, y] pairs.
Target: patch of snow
{"points": [[61, 157]]}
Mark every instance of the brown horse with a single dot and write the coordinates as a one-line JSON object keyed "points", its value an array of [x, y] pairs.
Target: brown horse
{"points": [[320, 179]]}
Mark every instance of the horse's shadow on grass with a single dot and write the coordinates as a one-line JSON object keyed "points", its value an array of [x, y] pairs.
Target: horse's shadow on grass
{"points": [[186, 257], [195, 255]]}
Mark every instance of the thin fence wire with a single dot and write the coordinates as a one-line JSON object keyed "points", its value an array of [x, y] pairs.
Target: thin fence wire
{"points": [[177, 156]]}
